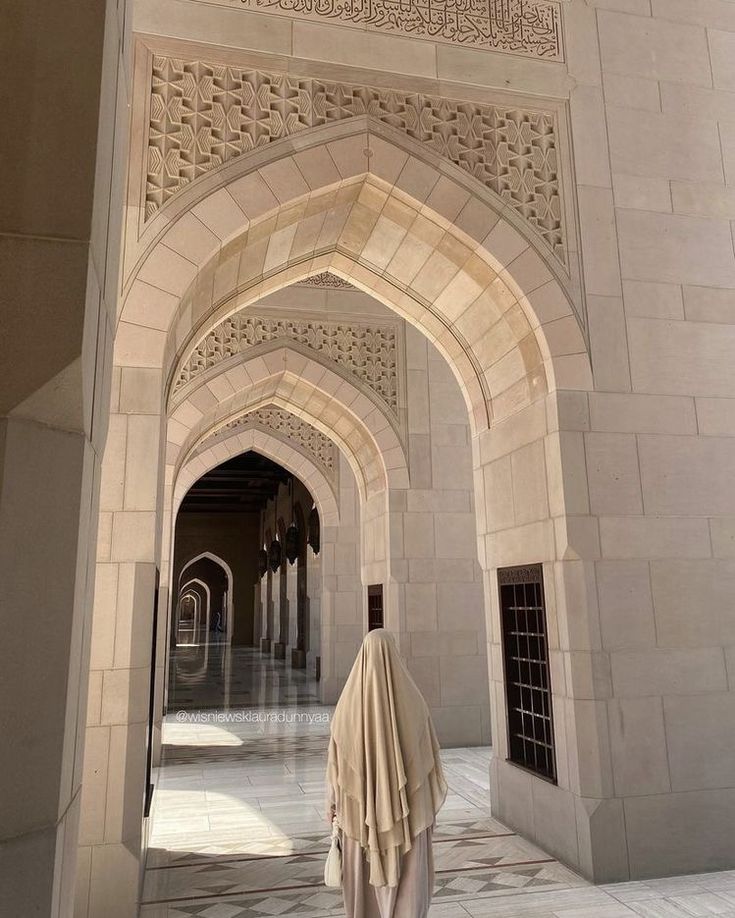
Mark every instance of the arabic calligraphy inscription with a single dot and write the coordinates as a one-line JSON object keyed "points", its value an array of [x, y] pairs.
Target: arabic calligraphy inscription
{"points": [[528, 27]]}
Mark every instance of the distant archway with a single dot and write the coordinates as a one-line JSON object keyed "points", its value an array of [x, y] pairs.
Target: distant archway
{"points": [[194, 598], [230, 586], [206, 617], [269, 444]]}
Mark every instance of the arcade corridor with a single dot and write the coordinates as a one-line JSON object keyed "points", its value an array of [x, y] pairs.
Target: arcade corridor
{"points": [[239, 830], [325, 317]]}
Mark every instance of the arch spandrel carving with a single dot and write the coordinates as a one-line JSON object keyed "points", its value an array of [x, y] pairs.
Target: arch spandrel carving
{"points": [[468, 276], [367, 350], [294, 430], [511, 150], [269, 443], [317, 396], [326, 281]]}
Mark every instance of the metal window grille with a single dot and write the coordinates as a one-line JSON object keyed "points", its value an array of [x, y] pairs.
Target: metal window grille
{"points": [[527, 683], [375, 606]]}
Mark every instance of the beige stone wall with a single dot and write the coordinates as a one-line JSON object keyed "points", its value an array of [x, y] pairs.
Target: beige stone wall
{"points": [[656, 78], [619, 484], [341, 588], [630, 508], [530, 485], [436, 601], [59, 250], [111, 832]]}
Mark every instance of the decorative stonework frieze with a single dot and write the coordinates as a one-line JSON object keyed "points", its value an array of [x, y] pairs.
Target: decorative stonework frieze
{"points": [[299, 433], [531, 28], [368, 352], [203, 115], [327, 280]]}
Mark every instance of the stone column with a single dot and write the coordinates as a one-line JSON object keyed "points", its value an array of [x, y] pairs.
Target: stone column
{"points": [[266, 642], [257, 612], [314, 598], [281, 605], [435, 602], [292, 613], [112, 831], [533, 502], [63, 156], [341, 607]]}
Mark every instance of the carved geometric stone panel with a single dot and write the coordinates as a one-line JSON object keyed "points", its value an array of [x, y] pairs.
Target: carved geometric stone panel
{"points": [[368, 352], [203, 115], [299, 433]]}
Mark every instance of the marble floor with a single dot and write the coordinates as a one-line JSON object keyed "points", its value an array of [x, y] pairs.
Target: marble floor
{"points": [[213, 674], [239, 829]]}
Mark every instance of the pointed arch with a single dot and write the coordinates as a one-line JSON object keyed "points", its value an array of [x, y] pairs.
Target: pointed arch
{"points": [[230, 584], [208, 598], [415, 233], [325, 398], [274, 447], [197, 600]]}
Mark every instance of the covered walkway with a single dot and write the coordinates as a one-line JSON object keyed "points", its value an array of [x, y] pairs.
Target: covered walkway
{"points": [[239, 828]]}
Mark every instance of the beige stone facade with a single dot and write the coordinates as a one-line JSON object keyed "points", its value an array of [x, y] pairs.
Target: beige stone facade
{"points": [[524, 355]]}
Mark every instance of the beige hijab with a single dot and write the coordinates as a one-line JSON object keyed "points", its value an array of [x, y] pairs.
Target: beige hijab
{"points": [[384, 768]]}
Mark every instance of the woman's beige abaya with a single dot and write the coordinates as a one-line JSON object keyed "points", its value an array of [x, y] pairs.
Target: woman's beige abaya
{"points": [[386, 785]]}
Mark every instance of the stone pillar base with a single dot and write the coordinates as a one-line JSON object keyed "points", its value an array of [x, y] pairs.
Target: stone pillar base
{"points": [[279, 650], [587, 834], [298, 659], [265, 645]]}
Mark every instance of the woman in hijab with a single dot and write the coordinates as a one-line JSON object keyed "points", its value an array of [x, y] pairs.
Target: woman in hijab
{"points": [[386, 785]]}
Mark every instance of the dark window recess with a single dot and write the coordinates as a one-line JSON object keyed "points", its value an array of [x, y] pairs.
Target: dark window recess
{"points": [[375, 606], [527, 684]]}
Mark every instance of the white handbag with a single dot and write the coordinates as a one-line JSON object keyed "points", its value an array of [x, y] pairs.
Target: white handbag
{"points": [[333, 866]]}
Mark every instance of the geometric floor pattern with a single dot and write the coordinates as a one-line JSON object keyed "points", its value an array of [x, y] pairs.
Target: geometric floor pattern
{"points": [[239, 829]]}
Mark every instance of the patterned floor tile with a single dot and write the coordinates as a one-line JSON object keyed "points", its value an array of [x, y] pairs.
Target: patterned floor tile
{"points": [[238, 827]]}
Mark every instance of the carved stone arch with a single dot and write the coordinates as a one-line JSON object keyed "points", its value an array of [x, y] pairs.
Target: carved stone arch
{"points": [[268, 444], [493, 306], [207, 594], [191, 669], [292, 430], [513, 153], [194, 580], [230, 582], [365, 351], [196, 596], [200, 597], [325, 399], [212, 557]]}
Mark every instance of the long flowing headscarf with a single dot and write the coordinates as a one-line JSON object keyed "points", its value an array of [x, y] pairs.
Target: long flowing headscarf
{"points": [[384, 767]]}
